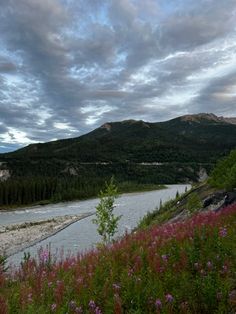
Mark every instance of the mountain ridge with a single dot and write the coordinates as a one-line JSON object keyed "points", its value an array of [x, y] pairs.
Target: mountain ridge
{"points": [[114, 141], [188, 117], [208, 116], [108, 126]]}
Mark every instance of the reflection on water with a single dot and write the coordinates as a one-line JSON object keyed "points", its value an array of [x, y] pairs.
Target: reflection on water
{"points": [[82, 235]]}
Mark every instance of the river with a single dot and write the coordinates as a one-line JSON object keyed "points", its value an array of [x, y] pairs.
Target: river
{"points": [[82, 235]]}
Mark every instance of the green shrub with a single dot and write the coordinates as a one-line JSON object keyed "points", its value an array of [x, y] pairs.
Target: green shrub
{"points": [[194, 203], [105, 219], [224, 174]]}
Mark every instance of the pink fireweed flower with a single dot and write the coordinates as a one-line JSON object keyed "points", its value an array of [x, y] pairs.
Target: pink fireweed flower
{"points": [[53, 307], [169, 298], [223, 232], [72, 305], [44, 256], [158, 304], [97, 311], [130, 272], [92, 304], [79, 310], [30, 297], [164, 257]]}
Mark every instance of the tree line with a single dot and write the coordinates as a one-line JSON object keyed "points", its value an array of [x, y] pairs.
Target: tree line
{"points": [[51, 185], [21, 191]]}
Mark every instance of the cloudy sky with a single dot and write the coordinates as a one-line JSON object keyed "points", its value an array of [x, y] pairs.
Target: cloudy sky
{"points": [[68, 66]]}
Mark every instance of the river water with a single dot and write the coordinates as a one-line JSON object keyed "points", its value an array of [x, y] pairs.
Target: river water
{"points": [[82, 235]]}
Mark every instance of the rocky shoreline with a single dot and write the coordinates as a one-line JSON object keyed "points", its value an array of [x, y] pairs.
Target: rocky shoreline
{"points": [[17, 237]]}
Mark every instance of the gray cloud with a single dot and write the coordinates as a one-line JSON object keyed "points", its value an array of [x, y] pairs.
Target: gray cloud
{"points": [[68, 66], [205, 22], [219, 95], [7, 66]]}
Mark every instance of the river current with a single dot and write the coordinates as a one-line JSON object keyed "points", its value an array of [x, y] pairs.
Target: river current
{"points": [[82, 235]]}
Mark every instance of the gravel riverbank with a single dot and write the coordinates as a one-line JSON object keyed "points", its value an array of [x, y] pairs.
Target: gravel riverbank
{"points": [[16, 237]]}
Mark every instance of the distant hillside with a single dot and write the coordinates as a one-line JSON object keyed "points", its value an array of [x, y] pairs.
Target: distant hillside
{"points": [[190, 138], [181, 150]]}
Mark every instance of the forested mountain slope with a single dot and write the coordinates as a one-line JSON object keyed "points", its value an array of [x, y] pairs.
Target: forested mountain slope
{"points": [[199, 138], [181, 150]]}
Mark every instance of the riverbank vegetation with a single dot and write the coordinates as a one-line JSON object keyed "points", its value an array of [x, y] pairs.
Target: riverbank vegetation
{"points": [[223, 178], [182, 267], [224, 174], [106, 220]]}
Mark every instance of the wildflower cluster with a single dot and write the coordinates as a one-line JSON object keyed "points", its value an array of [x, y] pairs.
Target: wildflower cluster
{"points": [[183, 267]]}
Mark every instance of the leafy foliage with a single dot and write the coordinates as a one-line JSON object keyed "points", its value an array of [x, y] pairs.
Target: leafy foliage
{"points": [[194, 203], [224, 174], [105, 219]]}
